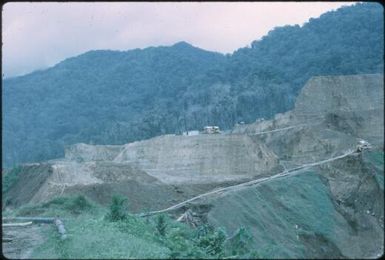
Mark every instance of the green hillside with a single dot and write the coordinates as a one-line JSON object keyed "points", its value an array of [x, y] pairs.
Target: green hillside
{"points": [[115, 97]]}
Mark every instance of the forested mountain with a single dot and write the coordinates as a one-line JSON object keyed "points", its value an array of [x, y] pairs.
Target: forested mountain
{"points": [[115, 97]]}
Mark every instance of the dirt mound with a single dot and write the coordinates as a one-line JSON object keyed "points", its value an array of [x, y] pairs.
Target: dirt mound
{"points": [[99, 181], [33, 178]]}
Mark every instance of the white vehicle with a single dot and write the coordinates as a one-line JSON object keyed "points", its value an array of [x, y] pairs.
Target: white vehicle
{"points": [[191, 132]]}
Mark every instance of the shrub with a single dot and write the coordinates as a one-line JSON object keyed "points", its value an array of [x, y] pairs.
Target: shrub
{"points": [[74, 204], [213, 242], [118, 209], [79, 204], [30, 210], [59, 201], [182, 246], [161, 225], [241, 244], [203, 230]]}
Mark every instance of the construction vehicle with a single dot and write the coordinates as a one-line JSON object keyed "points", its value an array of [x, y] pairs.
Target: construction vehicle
{"points": [[211, 130], [362, 144]]}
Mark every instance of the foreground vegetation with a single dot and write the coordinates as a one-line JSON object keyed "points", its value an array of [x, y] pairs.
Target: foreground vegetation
{"points": [[108, 233]]}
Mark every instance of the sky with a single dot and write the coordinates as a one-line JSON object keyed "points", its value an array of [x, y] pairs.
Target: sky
{"points": [[39, 35]]}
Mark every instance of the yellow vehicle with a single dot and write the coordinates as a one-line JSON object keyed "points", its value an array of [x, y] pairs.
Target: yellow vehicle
{"points": [[211, 130]]}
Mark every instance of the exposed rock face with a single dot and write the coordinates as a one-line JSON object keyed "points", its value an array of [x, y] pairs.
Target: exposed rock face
{"points": [[203, 158], [330, 94], [352, 104], [186, 159]]}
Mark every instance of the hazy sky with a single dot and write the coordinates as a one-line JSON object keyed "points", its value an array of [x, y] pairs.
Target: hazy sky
{"points": [[39, 35]]}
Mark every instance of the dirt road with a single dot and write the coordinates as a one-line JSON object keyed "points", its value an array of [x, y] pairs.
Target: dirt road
{"points": [[24, 240]]}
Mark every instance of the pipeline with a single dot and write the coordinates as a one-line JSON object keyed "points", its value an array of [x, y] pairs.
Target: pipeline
{"points": [[248, 183]]}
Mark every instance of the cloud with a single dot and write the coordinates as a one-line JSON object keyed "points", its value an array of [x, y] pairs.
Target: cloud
{"points": [[38, 35]]}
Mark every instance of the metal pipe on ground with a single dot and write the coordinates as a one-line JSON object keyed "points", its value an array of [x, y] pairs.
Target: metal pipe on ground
{"points": [[44, 220], [7, 239], [60, 227], [17, 224]]}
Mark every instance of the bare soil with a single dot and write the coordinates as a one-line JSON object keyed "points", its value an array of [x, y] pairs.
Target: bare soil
{"points": [[24, 240]]}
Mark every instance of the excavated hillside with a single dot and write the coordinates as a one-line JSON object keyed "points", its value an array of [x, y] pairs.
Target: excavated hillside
{"points": [[187, 159], [330, 115], [153, 173], [309, 193]]}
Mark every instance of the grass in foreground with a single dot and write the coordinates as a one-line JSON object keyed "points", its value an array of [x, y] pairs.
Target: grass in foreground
{"points": [[95, 232]]}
